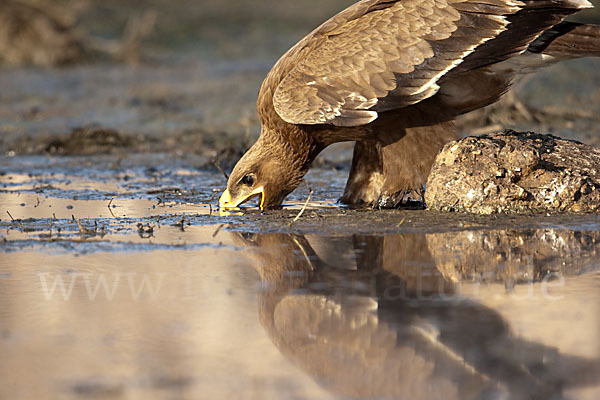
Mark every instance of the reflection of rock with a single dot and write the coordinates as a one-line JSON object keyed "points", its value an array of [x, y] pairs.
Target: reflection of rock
{"points": [[514, 255], [343, 326], [515, 172]]}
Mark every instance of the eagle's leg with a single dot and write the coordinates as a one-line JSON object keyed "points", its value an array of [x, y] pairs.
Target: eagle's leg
{"points": [[393, 175], [366, 174], [407, 162]]}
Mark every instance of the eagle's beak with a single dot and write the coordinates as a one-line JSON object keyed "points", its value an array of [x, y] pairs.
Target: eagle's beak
{"points": [[226, 202]]}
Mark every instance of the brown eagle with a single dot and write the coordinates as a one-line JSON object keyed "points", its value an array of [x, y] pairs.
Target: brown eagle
{"points": [[392, 75]]}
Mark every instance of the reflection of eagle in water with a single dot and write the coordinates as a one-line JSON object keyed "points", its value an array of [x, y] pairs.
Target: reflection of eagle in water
{"points": [[375, 326], [392, 75]]}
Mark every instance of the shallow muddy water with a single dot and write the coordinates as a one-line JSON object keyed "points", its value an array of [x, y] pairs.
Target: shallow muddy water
{"points": [[121, 279]]}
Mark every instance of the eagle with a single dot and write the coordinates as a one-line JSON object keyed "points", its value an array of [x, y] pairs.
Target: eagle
{"points": [[392, 75]]}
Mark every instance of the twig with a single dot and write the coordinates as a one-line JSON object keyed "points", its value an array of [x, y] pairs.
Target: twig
{"points": [[145, 231], [181, 223], [17, 221], [303, 208], [305, 254], [216, 232], [108, 206], [216, 164], [85, 231]]}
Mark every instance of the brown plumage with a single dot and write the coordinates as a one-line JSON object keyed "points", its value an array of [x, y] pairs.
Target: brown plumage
{"points": [[392, 75]]}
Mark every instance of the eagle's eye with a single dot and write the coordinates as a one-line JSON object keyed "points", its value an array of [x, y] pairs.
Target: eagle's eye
{"points": [[247, 180]]}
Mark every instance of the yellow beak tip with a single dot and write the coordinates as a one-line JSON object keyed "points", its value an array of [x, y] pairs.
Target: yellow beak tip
{"points": [[226, 202], [225, 199]]}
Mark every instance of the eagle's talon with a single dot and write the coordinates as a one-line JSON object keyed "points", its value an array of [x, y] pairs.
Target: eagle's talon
{"points": [[405, 198]]}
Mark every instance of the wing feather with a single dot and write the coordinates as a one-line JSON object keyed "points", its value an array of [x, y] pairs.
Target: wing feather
{"points": [[381, 55], [392, 50]]}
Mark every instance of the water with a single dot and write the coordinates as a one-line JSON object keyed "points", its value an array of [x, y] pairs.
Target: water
{"points": [[140, 287]]}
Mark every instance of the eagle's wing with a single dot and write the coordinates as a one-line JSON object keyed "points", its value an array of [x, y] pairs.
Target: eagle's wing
{"points": [[380, 55]]}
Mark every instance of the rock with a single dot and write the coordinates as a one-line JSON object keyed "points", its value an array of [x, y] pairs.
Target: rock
{"points": [[515, 172]]}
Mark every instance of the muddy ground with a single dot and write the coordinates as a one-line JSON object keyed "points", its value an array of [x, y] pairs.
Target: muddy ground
{"points": [[120, 278]]}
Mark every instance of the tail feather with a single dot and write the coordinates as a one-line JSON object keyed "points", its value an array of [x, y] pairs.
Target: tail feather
{"points": [[573, 4], [536, 17], [569, 40]]}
